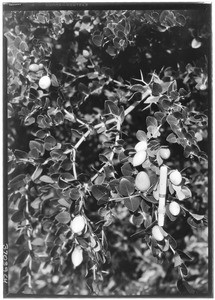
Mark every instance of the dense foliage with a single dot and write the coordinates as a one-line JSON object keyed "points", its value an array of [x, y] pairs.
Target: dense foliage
{"points": [[119, 89]]}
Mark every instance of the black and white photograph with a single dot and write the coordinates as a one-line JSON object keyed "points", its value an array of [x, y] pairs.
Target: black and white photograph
{"points": [[107, 153]]}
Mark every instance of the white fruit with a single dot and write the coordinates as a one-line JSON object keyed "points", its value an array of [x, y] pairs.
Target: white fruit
{"points": [[77, 224], [141, 146], [157, 233], [142, 181], [164, 153], [86, 53], [44, 82], [175, 177], [174, 208], [77, 256], [34, 68], [139, 158], [195, 44], [41, 66]]}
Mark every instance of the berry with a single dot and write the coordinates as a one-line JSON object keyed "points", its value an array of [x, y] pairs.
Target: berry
{"points": [[139, 158], [164, 153], [174, 208], [34, 68], [175, 177], [86, 53], [77, 224], [141, 146], [77, 256], [157, 233], [44, 82], [41, 66], [142, 181]]}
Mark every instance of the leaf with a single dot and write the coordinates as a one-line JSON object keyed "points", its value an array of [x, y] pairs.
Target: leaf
{"points": [[153, 132], [184, 255], [20, 154], [36, 145], [111, 51], [172, 120], [97, 40], [171, 138], [132, 203], [111, 107], [23, 46], [38, 242], [144, 206], [21, 239], [100, 193], [151, 121], [139, 88], [63, 217], [184, 287], [17, 182], [36, 173], [54, 80], [177, 260], [186, 191], [74, 194], [197, 217], [126, 188], [46, 179], [137, 220], [29, 121], [22, 257], [17, 217], [64, 203], [141, 135], [156, 89], [127, 169], [152, 99]]}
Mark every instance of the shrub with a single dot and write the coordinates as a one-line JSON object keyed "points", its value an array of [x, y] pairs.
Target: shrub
{"points": [[84, 88]]}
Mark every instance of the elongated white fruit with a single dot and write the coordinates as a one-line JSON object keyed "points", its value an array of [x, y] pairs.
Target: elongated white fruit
{"points": [[77, 256], [162, 195], [44, 82], [141, 146], [142, 181], [157, 233], [175, 177], [139, 158], [77, 224], [174, 208]]}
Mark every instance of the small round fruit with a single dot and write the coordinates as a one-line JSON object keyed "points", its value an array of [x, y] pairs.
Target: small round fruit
{"points": [[44, 82], [139, 158], [164, 153], [34, 68], [41, 66], [141, 146], [175, 177], [77, 256], [86, 53], [77, 224], [142, 181], [174, 208], [157, 233]]}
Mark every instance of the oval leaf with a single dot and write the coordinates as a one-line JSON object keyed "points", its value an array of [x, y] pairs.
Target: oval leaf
{"points": [[63, 217], [126, 188]]}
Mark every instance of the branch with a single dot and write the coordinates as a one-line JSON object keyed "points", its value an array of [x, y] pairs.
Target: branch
{"points": [[74, 163], [112, 153]]}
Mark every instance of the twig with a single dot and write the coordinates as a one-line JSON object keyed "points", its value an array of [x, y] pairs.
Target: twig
{"points": [[74, 163]]}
